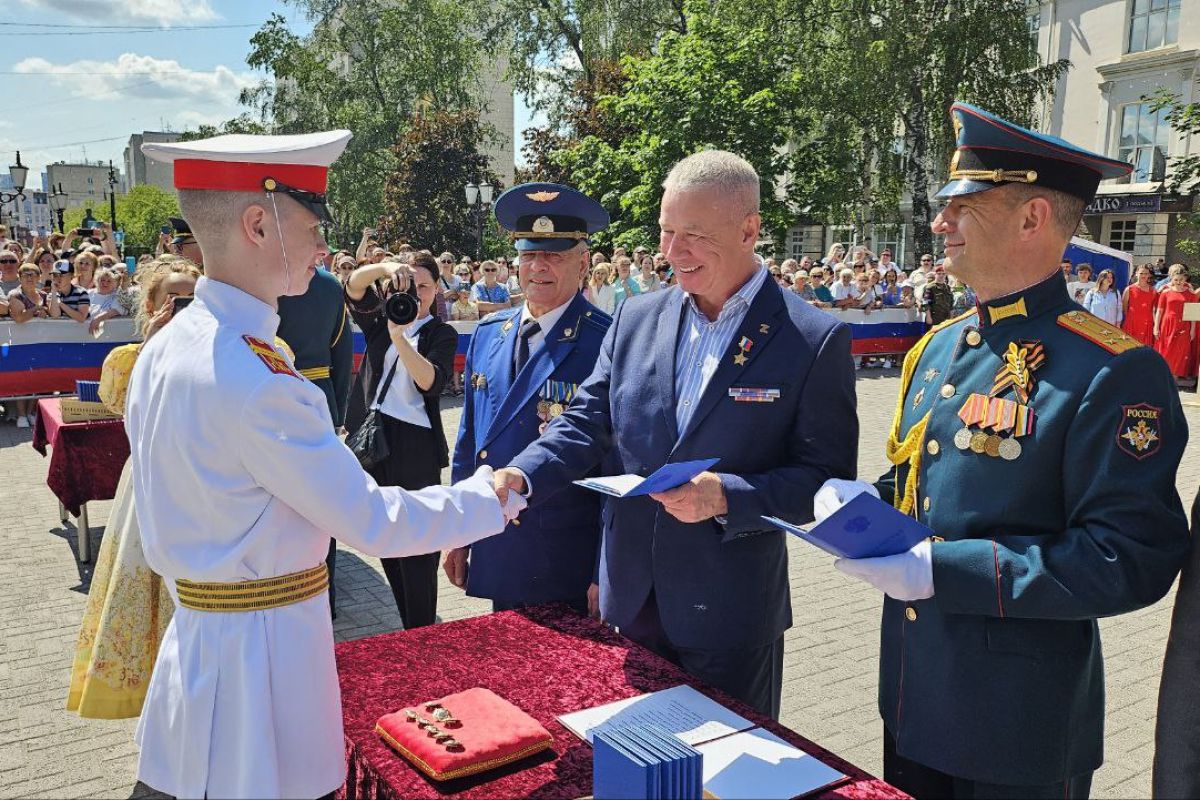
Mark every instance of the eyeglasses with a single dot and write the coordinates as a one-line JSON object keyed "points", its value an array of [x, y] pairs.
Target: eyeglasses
{"points": [[8, 261], [491, 270], [926, 260]]}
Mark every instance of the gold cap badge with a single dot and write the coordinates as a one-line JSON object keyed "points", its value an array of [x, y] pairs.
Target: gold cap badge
{"points": [[541, 197], [543, 225]]}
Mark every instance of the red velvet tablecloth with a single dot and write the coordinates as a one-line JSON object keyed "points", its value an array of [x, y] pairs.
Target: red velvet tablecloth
{"points": [[546, 660], [87, 459]]}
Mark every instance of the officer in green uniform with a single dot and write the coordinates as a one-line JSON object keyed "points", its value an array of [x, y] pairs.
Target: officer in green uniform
{"points": [[316, 326], [1040, 445]]}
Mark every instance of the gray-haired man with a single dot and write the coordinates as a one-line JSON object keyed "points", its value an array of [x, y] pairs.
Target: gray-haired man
{"points": [[734, 368]]}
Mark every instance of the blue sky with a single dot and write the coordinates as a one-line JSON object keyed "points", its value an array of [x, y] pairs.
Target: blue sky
{"points": [[74, 84]]}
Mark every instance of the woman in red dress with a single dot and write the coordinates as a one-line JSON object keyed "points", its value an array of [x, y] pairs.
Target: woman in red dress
{"points": [[1138, 305], [1173, 336]]}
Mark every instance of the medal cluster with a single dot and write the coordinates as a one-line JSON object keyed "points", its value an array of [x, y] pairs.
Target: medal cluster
{"points": [[442, 715], [994, 425], [556, 396]]}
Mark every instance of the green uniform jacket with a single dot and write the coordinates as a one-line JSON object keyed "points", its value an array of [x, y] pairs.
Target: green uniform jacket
{"points": [[317, 328], [998, 677]]}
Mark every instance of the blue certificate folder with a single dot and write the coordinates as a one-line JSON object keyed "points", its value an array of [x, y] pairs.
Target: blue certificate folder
{"points": [[866, 527], [644, 762], [665, 477]]}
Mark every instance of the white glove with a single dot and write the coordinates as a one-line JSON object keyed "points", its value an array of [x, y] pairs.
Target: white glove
{"points": [[904, 576], [835, 493], [515, 504]]}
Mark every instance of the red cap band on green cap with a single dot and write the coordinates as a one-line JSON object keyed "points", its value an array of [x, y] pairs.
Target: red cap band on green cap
{"points": [[234, 176]]}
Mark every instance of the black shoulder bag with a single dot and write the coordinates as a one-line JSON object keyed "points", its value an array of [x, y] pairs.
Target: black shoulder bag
{"points": [[368, 443]]}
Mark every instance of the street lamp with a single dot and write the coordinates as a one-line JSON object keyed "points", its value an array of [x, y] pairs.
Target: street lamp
{"points": [[18, 172], [58, 203], [112, 196], [479, 199]]}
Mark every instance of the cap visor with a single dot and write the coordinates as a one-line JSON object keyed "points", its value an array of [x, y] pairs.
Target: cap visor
{"points": [[961, 187], [548, 245]]}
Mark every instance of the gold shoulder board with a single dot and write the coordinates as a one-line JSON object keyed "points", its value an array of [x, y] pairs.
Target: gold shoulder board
{"points": [[1097, 331]]}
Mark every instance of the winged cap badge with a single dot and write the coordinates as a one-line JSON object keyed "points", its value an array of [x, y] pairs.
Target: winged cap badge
{"points": [[541, 197]]}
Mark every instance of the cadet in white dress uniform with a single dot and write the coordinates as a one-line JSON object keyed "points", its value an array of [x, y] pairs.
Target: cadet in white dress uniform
{"points": [[239, 477]]}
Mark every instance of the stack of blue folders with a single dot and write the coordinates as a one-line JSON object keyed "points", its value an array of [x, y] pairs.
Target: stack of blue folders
{"points": [[88, 391], [644, 762]]}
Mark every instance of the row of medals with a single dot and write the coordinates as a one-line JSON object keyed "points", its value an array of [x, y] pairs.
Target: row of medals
{"points": [[988, 443]]}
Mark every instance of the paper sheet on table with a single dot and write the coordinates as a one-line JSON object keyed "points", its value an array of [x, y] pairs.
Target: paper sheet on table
{"points": [[758, 764], [665, 477], [681, 710]]}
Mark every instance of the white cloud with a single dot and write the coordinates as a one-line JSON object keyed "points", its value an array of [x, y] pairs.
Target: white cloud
{"points": [[133, 77], [157, 12]]}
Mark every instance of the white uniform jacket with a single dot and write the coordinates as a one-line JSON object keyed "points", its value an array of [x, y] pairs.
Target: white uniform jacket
{"points": [[238, 475]]}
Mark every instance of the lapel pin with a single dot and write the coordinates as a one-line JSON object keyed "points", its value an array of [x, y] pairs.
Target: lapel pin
{"points": [[764, 328]]}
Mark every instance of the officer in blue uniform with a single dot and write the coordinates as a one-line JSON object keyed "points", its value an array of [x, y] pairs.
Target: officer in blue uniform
{"points": [[316, 327], [1040, 445], [522, 369]]}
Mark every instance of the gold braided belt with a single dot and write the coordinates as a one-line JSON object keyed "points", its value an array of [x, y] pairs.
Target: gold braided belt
{"points": [[257, 595]]}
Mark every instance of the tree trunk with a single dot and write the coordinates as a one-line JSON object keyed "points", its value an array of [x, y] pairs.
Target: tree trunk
{"points": [[916, 134]]}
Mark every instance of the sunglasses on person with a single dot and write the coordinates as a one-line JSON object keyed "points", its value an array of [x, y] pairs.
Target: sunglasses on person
{"points": [[493, 269], [926, 260], [8, 261]]}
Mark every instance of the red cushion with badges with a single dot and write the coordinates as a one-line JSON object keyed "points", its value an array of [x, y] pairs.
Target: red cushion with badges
{"points": [[487, 732]]}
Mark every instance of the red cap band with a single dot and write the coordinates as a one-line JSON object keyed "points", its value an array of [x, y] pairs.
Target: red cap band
{"points": [[234, 176]]}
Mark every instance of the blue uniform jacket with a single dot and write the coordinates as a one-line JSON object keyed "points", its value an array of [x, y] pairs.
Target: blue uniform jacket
{"points": [[551, 555], [998, 677], [717, 586]]}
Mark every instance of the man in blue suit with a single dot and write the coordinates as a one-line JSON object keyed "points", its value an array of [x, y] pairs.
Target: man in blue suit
{"points": [[725, 365], [523, 367]]}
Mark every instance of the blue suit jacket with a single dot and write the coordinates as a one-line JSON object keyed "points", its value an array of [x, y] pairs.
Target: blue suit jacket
{"points": [[717, 586], [551, 555]]}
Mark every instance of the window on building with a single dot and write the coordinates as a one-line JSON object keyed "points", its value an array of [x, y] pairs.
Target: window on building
{"points": [[889, 237], [1121, 234], [804, 240], [1153, 23], [843, 234], [89, 181], [1143, 140], [1033, 23]]}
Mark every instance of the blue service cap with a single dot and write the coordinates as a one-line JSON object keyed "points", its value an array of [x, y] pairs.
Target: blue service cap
{"points": [[993, 152], [548, 216]]}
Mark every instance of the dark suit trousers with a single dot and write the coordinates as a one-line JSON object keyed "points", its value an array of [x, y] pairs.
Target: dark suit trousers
{"points": [[927, 783], [413, 464], [752, 675]]}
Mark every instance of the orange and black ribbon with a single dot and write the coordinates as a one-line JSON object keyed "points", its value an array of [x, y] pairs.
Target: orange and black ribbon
{"points": [[1021, 360]]}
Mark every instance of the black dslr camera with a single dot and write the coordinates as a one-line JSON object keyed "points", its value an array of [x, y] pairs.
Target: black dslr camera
{"points": [[401, 306]]}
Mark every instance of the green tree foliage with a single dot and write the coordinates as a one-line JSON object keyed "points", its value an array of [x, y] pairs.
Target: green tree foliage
{"points": [[141, 213], [367, 66], [552, 45], [724, 83], [891, 69], [437, 155]]}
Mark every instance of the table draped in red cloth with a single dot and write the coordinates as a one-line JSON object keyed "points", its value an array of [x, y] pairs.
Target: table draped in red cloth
{"points": [[547, 661], [87, 457]]}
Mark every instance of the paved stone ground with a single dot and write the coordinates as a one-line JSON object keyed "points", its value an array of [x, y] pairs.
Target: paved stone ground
{"points": [[830, 666]]}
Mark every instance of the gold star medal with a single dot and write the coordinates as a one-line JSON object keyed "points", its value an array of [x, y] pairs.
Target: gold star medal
{"points": [[743, 347]]}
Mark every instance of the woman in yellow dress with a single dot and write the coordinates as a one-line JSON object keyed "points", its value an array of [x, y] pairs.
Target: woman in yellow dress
{"points": [[128, 607]]}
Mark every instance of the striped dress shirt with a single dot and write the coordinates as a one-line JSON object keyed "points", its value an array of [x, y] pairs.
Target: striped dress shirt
{"points": [[702, 343]]}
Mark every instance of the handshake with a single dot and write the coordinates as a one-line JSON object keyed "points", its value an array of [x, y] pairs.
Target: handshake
{"points": [[509, 486]]}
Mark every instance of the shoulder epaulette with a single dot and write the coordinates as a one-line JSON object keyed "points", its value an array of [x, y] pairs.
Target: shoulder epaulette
{"points": [[497, 316], [269, 356], [596, 318], [1098, 332]]}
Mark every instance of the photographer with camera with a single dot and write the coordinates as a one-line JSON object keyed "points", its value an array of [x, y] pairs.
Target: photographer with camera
{"points": [[409, 358]]}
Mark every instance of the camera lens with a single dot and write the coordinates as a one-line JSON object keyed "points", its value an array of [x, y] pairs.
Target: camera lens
{"points": [[401, 308]]}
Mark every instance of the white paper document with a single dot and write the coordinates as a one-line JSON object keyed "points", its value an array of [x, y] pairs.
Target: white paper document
{"points": [[682, 710], [758, 764]]}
